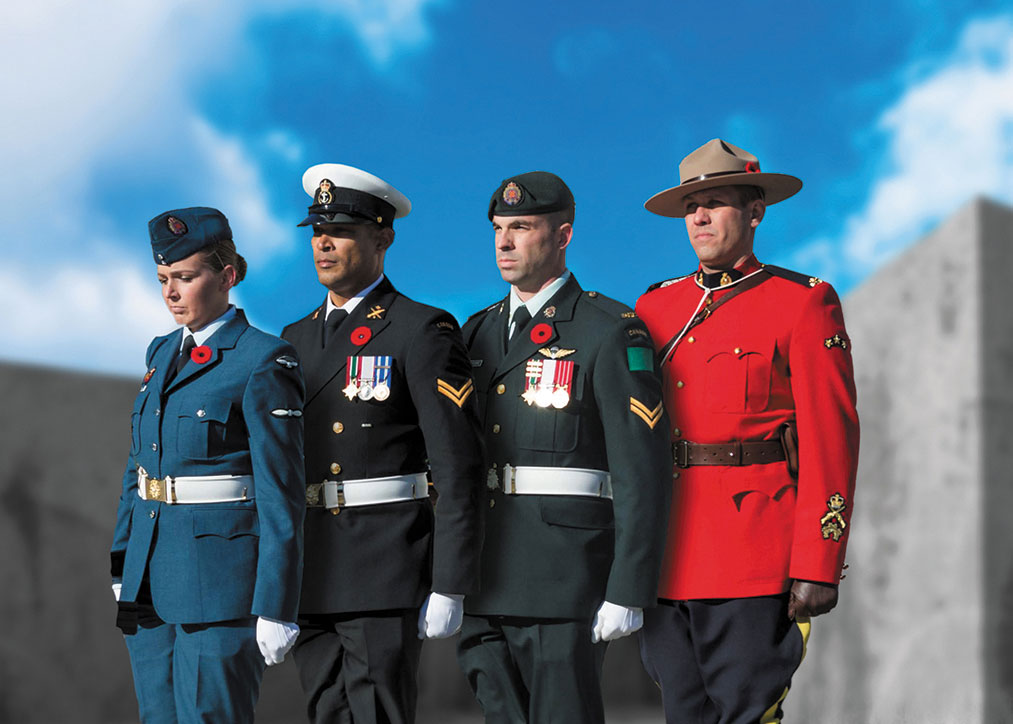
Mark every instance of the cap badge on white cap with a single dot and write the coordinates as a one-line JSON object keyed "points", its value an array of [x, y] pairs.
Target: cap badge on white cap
{"points": [[324, 192]]}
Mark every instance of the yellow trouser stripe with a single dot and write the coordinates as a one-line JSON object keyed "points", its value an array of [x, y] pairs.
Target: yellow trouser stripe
{"points": [[804, 628]]}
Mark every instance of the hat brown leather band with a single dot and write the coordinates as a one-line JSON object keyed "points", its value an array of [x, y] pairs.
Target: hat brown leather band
{"points": [[716, 174], [736, 453]]}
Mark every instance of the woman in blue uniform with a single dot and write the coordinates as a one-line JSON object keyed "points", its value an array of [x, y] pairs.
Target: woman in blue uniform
{"points": [[207, 553]]}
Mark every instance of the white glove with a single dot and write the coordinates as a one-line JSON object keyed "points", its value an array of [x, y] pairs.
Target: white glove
{"points": [[441, 615], [613, 622], [275, 638], [116, 590]]}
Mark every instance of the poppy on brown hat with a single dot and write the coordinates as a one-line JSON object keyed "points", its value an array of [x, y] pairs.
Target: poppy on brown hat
{"points": [[719, 163]]}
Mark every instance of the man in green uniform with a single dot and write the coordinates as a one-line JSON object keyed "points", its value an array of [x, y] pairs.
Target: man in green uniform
{"points": [[579, 471]]}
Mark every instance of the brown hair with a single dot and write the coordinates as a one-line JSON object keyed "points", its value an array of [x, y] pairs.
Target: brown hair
{"points": [[221, 254]]}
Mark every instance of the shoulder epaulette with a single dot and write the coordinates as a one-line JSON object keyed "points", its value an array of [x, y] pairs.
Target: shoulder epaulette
{"points": [[803, 279], [666, 282], [607, 304], [484, 310]]}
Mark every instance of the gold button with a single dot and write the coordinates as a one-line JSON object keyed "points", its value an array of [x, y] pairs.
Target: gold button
{"points": [[675, 476], [738, 350], [495, 428], [680, 384], [500, 389], [338, 428], [492, 503], [677, 432], [691, 340], [335, 469]]}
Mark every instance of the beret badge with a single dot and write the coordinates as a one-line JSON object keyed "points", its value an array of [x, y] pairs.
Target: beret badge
{"points": [[512, 194], [176, 226]]}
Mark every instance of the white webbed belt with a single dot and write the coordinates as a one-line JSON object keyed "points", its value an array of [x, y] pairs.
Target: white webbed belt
{"points": [[195, 488], [534, 480], [338, 494]]}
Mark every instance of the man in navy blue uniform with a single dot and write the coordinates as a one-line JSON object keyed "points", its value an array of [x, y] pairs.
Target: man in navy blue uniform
{"points": [[389, 401], [207, 551]]}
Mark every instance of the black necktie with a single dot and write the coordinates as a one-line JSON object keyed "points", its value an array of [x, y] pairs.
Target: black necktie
{"points": [[334, 320], [184, 356], [521, 318]]}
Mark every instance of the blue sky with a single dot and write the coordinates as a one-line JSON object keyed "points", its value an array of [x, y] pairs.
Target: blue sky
{"points": [[893, 114]]}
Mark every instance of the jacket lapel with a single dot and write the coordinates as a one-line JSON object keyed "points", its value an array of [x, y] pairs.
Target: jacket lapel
{"points": [[224, 338], [526, 345], [165, 358], [357, 333]]}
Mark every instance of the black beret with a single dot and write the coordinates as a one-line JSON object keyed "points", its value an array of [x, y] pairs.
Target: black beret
{"points": [[535, 192]]}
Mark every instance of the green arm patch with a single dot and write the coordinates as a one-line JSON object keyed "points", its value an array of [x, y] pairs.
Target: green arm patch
{"points": [[640, 359]]}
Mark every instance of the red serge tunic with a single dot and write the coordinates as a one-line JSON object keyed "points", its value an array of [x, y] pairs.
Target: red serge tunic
{"points": [[776, 353]]}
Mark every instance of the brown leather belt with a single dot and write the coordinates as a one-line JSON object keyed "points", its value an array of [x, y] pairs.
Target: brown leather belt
{"points": [[687, 453]]}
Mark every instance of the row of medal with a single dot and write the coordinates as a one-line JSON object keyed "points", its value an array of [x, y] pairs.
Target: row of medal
{"points": [[547, 382], [368, 378]]}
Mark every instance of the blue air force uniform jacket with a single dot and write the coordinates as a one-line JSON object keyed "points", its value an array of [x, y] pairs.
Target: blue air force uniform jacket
{"points": [[560, 556], [235, 414], [390, 555]]}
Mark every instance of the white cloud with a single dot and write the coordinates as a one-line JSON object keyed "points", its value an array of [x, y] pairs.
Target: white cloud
{"points": [[240, 189], [86, 82], [99, 318], [949, 137]]}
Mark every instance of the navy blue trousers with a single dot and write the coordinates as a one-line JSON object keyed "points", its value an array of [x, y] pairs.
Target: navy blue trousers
{"points": [[723, 661], [359, 668]]}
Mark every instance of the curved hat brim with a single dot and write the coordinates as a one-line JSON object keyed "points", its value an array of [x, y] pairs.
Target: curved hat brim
{"points": [[776, 187], [322, 219]]}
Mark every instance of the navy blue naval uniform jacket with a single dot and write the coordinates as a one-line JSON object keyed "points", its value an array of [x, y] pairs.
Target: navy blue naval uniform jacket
{"points": [[212, 562], [389, 556]]}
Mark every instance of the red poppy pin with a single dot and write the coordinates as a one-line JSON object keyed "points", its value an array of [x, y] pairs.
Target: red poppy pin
{"points": [[752, 167], [200, 354], [541, 333], [361, 335]]}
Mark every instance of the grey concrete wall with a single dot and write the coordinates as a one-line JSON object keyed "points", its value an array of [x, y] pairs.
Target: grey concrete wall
{"points": [[918, 636]]}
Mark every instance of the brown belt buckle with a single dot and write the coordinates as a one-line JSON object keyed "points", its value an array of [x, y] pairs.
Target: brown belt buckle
{"points": [[680, 453]]}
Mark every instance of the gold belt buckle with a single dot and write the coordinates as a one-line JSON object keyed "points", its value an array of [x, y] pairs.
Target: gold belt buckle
{"points": [[154, 489]]}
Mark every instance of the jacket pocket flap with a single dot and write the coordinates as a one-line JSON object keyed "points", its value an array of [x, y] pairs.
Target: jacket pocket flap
{"points": [[225, 523], [213, 408], [577, 512]]}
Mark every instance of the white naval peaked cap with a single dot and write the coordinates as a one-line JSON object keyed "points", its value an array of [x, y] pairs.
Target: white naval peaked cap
{"points": [[349, 177]]}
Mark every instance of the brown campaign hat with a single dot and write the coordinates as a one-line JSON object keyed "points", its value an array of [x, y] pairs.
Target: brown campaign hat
{"points": [[719, 163]]}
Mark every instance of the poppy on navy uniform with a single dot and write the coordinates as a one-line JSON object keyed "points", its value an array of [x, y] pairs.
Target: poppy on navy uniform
{"points": [[531, 193], [179, 233]]}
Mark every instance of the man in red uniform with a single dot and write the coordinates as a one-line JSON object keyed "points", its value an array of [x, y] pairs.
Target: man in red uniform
{"points": [[760, 389]]}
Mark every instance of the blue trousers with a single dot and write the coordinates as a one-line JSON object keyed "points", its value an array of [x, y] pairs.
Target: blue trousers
{"points": [[723, 661], [189, 673]]}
